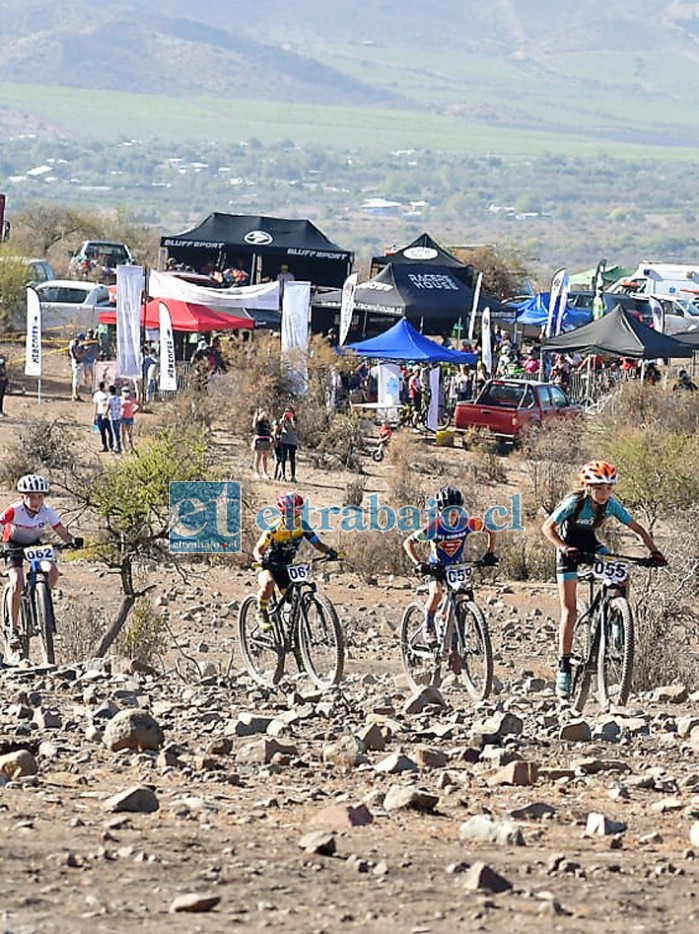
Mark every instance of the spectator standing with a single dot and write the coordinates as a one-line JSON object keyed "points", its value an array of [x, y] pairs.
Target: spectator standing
{"points": [[101, 400], [277, 448], [91, 349], [283, 276], [114, 415], [685, 382], [289, 441], [4, 382], [261, 444], [76, 352], [128, 412]]}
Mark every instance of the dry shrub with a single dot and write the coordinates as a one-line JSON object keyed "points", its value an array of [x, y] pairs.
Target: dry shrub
{"points": [[526, 556], [254, 379], [667, 620], [551, 457], [486, 459], [43, 444], [343, 442], [405, 484], [80, 626], [372, 553], [145, 637], [191, 410], [354, 491]]}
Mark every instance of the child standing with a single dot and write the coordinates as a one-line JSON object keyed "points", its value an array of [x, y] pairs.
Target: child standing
{"points": [[128, 411], [114, 415]]}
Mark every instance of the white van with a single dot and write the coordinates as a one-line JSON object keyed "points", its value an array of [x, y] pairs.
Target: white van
{"points": [[667, 279], [67, 305]]}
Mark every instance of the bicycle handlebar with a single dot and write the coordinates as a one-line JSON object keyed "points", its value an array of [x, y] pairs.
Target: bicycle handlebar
{"points": [[648, 562], [11, 548]]}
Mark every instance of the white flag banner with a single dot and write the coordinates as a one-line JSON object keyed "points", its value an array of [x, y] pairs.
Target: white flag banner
{"points": [[486, 341], [167, 285], [128, 320], [658, 313], [32, 359], [347, 306], [556, 284], [474, 307], [168, 369], [562, 302], [433, 411], [388, 389], [296, 307]]}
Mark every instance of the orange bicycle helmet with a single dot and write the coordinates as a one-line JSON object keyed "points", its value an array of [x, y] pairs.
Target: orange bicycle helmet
{"points": [[596, 473]]}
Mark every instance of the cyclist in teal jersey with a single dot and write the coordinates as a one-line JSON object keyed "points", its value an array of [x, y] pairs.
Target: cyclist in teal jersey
{"points": [[446, 535], [571, 527]]}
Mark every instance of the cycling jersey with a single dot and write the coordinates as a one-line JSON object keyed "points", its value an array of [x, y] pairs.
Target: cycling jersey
{"points": [[574, 519], [22, 528], [446, 543], [280, 544]]}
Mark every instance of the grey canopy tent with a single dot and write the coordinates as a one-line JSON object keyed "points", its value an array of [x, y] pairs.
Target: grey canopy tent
{"points": [[619, 334], [260, 245]]}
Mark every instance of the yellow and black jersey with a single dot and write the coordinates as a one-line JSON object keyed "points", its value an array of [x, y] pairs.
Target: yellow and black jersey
{"points": [[280, 543]]}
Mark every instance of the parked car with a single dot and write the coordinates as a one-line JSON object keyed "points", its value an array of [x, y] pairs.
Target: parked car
{"points": [[508, 407], [67, 304], [98, 259], [38, 270]]}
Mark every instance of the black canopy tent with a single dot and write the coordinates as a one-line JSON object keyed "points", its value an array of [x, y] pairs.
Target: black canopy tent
{"points": [[425, 251], [619, 334], [261, 245], [430, 296]]}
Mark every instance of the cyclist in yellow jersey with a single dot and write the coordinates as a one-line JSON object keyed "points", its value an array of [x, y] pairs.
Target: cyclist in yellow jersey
{"points": [[276, 549]]}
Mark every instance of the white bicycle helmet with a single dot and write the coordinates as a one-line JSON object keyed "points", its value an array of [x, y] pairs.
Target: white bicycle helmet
{"points": [[33, 483]]}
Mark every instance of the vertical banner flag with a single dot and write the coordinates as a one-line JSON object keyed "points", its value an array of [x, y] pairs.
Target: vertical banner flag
{"points": [[296, 304], [388, 389], [562, 303], [556, 284], [32, 360], [347, 307], [128, 318], [486, 341], [168, 369], [2, 217], [598, 288], [474, 307], [658, 313]]}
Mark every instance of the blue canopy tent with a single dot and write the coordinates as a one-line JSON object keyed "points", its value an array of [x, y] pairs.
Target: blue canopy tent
{"points": [[403, 342], [534, 311]]}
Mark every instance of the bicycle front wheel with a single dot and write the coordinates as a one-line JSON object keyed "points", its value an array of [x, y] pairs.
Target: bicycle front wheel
{"points": [[420, 661], [580, 664], [616, 651], [263, 655], [321, 640], [45, 620], [475, 650]]}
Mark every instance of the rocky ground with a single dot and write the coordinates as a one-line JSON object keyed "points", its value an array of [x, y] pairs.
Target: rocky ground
{"points": [[192, 800]]}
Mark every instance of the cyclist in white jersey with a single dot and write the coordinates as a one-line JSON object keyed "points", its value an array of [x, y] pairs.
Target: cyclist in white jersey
{"points": [[22, 524]]}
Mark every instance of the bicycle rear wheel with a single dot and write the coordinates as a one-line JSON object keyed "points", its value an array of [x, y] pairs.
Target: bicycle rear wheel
{"points": [[474, 649], [321, 640], [616, 652], [420, 661], [263, 654], [7, 636], [45, 620]]}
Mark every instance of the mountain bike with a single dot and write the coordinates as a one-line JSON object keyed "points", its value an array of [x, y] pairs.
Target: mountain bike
{"points": [[462, 659], [603, 637], [303, 624], [36, 616]]}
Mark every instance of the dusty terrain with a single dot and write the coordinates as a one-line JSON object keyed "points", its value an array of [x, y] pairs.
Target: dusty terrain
{"points": [[237, 793]]}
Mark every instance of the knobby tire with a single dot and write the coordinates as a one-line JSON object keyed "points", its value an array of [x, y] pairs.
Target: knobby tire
{"points": [[419, 661], [475, 650], [616, 655], [580, 669], [45, 621], [321, 640], [263, 655]]}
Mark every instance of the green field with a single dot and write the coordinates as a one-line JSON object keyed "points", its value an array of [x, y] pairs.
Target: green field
{"points": [[547, 127]]}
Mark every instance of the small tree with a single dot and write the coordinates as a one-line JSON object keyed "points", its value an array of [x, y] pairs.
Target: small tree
{"points": [[129, 500]]}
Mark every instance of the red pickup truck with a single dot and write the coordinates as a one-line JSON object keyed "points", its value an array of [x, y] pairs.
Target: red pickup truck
{"points": [[506, 407]]}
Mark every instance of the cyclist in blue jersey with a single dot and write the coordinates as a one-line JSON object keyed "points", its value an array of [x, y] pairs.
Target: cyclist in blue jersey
{"points": [[571, 527], [446, 535]]}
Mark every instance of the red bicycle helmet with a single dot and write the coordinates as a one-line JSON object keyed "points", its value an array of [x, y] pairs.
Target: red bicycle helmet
{"points": [[596, 473], [291, 501]]}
